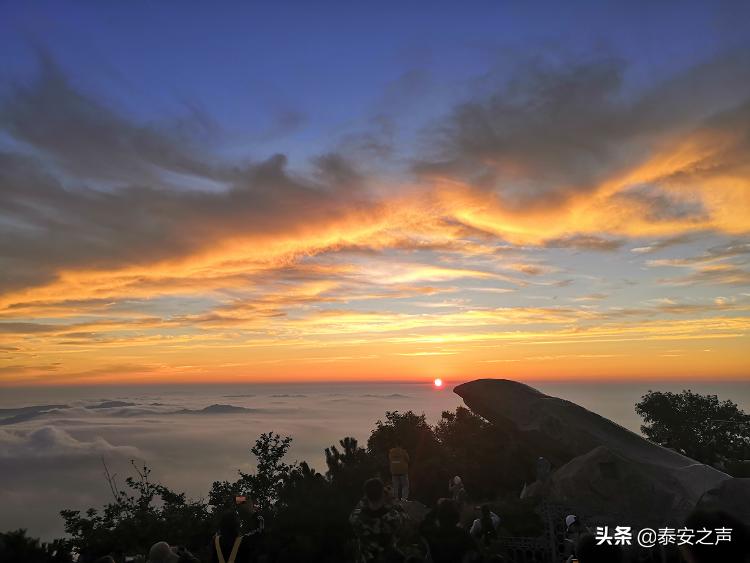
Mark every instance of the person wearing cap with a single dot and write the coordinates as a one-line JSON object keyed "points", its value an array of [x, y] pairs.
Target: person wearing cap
{"points": [[574, 529], [570, 519], [162, 552]]}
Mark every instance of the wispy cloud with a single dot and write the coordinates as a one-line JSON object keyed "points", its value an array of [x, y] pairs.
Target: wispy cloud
{"points": [[127, 245]]}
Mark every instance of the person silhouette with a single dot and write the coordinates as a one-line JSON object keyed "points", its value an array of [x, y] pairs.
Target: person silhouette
{"points": [[399, 464]]}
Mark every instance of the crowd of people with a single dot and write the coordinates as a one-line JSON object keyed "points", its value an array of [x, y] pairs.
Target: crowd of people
{"points": [[386, 533], [380, 524]]}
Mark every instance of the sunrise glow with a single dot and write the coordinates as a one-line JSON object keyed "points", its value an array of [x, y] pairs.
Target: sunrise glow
{"points": [[532, 219]]}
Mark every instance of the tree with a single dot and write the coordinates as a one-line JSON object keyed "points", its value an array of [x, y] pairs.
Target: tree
{"points": [[478, 451], [310, 521], [270, 472], [427, 468], [409, 428], [699, 426], [350, 455], [139, 516], [348, 468], [17, 547], [305, 512], [264, 486]]}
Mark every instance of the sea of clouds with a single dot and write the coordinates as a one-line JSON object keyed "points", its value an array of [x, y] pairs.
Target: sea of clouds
{"points": [[53, 441]]}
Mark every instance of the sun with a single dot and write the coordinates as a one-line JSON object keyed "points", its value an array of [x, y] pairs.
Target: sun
{"points": [[438, 382]]}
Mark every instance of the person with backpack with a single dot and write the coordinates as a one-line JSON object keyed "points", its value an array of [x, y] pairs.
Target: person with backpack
{"points": [[398, 459], [230, 545], [376, 525], [485, 527], [448, 542]]}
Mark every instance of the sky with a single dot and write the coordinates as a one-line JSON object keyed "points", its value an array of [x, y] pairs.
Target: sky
{"points": [[298, 191]]}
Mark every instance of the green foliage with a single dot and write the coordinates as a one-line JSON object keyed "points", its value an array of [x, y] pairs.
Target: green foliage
{"points": [[477, 451], [140, 516], [409, 429], [148, 512], [310, 523], [222, 493], [306, 513], [699, 426], [17, 547], [427, 469], [266, 483], [348, 468], [351, 454]]}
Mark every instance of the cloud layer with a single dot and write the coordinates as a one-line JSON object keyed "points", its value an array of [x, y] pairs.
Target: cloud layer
{"points": [[55, 460], [128, 247]]}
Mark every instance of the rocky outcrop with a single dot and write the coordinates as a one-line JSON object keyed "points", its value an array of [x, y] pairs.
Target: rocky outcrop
{"points": [[598, 464], [732, 495]]}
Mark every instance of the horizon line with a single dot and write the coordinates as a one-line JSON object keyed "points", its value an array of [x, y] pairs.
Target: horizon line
{"points": [[449, 384]]}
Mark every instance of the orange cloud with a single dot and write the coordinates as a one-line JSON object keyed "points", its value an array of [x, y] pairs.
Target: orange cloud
{"points": [[269, 268]]}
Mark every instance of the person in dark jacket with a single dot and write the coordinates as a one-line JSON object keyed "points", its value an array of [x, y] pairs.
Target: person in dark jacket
{"points": [[230, 545], [251, 522], [485, 527], [376, 525], [448, 542]]}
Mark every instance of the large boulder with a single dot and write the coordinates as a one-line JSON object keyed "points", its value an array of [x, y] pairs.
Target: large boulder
{"points": [[599, 463], [732, 495]]}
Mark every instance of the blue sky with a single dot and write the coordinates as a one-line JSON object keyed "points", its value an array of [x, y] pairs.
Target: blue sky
{"points": [[290, 76], [261, 190]]}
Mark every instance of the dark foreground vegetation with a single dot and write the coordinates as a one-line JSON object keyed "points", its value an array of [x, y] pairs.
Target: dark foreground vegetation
{"points": [[306, 512]]}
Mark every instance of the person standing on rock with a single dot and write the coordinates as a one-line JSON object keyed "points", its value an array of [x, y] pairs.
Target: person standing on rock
{"points": [[543, 469], [399, 462]]}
